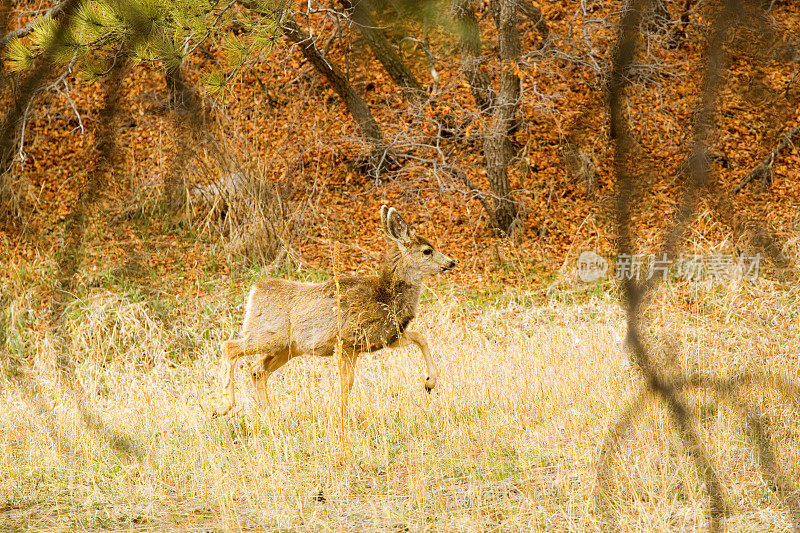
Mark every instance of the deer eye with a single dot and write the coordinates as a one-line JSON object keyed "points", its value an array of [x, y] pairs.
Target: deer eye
{"points": [[427, 251]]}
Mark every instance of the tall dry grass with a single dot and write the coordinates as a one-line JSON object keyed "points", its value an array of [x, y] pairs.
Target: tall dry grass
{"points": [[105, 422]]}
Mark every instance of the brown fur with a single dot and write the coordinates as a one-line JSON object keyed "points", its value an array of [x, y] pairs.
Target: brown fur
{"points": [[284, 319]]}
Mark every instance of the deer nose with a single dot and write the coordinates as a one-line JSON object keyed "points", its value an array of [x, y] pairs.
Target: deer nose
{"points": [[451, 265]]}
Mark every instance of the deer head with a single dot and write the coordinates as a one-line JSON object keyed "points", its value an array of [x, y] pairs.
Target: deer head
{"points": [[415, 257]]}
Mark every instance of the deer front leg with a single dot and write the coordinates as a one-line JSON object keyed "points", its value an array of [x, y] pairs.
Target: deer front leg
{"points": [[413, 337], [262, 371]]}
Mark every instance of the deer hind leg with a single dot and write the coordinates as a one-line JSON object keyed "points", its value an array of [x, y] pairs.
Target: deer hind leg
{"points": [[432, 373], [259, 376], [263, 370], [233, 350]]}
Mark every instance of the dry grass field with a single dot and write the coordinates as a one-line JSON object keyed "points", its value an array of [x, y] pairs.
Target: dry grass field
{"points": [[105, 419], [124, 267]]}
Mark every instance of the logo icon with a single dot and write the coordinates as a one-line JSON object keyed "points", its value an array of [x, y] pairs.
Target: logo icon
{"points": [[591, 267]]}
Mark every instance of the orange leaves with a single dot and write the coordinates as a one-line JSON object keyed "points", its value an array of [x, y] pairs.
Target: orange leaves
{"points": [[287, 122]]}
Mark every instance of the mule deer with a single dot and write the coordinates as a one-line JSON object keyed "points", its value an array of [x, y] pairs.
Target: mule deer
{"points": [[284, 319]]}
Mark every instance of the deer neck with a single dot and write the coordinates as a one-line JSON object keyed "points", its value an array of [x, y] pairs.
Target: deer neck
{"points": [[402, 285]]}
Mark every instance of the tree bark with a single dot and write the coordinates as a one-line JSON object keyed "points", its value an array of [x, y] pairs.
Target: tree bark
{"points": [[361, 15], [470, 45], [498, 148], [189, 117]]}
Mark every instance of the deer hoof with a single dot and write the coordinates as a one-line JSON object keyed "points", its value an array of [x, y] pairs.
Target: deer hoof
{"points": [[429, 385], [220, 410]]}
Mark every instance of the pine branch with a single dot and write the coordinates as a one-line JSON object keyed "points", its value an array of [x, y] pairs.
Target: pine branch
{"points": [[54, 12]]}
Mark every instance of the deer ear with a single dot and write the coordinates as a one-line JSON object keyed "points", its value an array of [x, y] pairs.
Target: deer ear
{"points": [[384, 211], [394, 226]]}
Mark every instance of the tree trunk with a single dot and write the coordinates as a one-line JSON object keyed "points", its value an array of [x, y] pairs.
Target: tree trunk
{"points": [[355, 105], [470, 45], [534, 14], [361, 15], [358, 109], [188, 119], [498, 148]]}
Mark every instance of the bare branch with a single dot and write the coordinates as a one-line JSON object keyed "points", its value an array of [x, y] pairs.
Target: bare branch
{"points": [[764, 170]]}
